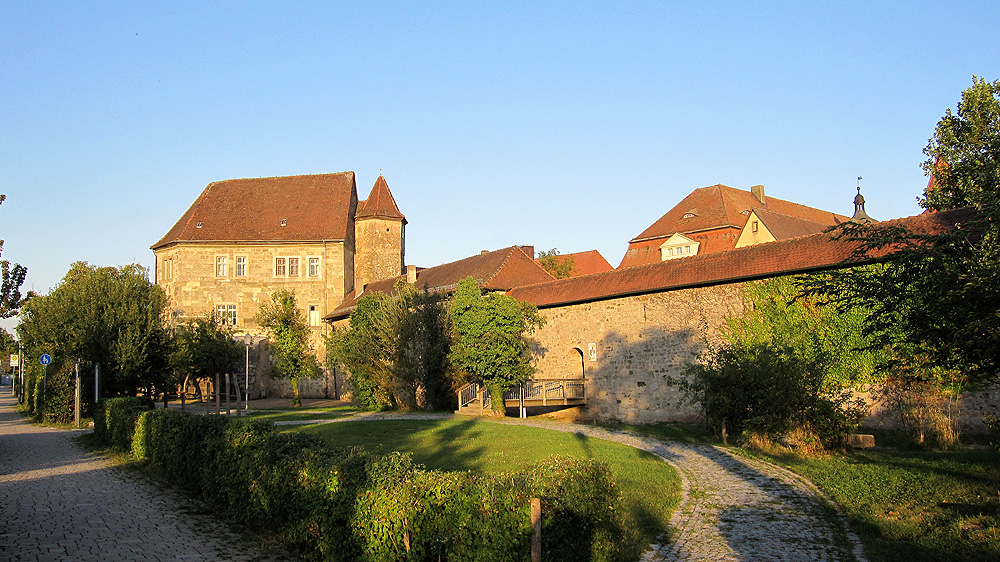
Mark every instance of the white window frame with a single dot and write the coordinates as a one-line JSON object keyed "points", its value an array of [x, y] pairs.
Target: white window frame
{"points": [[221, 265], [294, 267], [226, 314], [309, 264], [281, 267], [241, 266]]}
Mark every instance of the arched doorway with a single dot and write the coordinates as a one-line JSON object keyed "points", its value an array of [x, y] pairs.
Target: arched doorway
{"points": [[579, 367]]}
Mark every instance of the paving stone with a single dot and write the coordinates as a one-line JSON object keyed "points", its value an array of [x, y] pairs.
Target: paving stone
{"points": [[59, 503]]}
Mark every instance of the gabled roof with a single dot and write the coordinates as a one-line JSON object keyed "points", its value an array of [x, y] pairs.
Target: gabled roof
{"points": [[314, 207], [796, 255], [585, 263], [379, 204], [500, 270], [721, 206], [783, 227], [719, 211]]}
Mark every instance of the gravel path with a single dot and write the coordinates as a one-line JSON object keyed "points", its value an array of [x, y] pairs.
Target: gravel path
{"points": [[59, 502], [732, 508]]}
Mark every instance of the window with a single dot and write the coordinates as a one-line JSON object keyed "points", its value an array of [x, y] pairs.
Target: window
{"points": [[313, 267], [280, 269], [241, 266], [313, 315], [753, 226], [687, 249], [220, 266], [293, 267], [226, 313]]}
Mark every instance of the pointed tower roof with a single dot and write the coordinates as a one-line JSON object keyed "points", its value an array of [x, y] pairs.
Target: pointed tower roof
{"points": [[379, 204]]}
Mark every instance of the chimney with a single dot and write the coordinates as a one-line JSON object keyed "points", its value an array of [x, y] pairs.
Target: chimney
{"points": [[411, 274], [530, 250], [758, 192]]}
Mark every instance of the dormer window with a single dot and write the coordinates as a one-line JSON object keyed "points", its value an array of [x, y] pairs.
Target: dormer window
{"points": [[678, 246], [689, 215], [198, 225], [284, 222]]}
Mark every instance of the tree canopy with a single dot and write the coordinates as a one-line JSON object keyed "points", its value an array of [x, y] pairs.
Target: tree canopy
{"points": [[288, 334], [203, 348], [489, 343], [935, 301], [558, 267], [11, 279], [113, 316], [396, 349]]}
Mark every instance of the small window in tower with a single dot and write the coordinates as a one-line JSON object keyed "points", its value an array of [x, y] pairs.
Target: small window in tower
{"points": [[284, 222], [753, 226], [198, 225]]}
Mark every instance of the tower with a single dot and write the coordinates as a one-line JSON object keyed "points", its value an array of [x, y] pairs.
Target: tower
{"points": [[379, 237]]}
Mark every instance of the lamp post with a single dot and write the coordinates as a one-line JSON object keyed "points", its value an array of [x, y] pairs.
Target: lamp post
{"points": [[247, 340]]}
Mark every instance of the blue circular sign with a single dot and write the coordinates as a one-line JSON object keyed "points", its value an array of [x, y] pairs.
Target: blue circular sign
{"points": [[45, 359]]}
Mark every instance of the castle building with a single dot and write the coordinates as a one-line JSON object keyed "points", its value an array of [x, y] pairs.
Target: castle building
{"points": [[244, 239]]}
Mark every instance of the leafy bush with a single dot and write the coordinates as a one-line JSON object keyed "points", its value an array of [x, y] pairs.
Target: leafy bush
{"points": [[352, 505], [993, 424], [115, 420], [770, 389]]}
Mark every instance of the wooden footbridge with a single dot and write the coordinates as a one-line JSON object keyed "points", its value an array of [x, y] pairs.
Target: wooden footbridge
{"points": [[474, 398]]}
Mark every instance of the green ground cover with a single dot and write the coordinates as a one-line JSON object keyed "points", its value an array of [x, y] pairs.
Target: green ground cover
{"points": [[276, 415], [911, 505], [650, 487]]}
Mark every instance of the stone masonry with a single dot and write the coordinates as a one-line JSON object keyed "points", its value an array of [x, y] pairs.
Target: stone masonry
{"points": [[639, 342]]}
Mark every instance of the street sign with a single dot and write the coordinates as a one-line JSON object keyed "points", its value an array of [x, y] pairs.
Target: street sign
{"points": [[45, 359], [15, 360]]}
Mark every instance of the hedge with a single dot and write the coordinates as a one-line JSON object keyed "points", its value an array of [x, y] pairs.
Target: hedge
{"points": [[348, 504]]}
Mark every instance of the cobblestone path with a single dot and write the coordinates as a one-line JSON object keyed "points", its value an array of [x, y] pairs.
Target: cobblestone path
{"points": [[732, 508], [58, 502]]}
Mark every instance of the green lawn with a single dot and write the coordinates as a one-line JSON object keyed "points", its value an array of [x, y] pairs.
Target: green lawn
{"points": [[650, 487], [914, 506], [276, 415]]}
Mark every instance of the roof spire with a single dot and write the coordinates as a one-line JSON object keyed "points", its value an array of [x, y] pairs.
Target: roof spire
{"points": [[860, 216]]}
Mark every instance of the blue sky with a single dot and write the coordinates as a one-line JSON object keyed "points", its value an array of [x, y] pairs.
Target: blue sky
{"points": [[563, 125]]}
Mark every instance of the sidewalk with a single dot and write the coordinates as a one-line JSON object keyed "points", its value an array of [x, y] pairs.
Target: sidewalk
{"points": [[59, 502]]}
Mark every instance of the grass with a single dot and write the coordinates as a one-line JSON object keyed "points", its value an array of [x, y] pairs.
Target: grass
{"points": [[913, 506], [276, 415], [650, 487]]}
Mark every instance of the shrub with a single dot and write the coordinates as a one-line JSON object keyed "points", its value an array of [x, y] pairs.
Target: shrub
{"points": [[351, 505], [115, 420], [993, 424], [770, 389]]}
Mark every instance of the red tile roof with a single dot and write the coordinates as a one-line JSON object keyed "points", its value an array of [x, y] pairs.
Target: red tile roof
{"points": [[797, 255], [500, 270], [585, 263], [380, 203], [719, 212], [783, 227], [315, 207]]}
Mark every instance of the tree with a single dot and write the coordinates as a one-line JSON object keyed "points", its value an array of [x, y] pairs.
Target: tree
{"points": [[288, 333], [396, 350], [489, 343], [784, 363], [204, 348], [934, 301], [558, 267], [103, 315], [367, 349], [11, 279]]}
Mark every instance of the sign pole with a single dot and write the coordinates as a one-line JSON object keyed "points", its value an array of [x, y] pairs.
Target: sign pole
{"points": [[76, 397]]}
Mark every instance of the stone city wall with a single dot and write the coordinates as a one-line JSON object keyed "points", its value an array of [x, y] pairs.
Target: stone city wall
{"points": [[625, 348]]}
